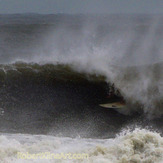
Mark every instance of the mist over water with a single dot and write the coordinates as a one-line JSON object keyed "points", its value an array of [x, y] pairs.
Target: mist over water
{"points": [[126, 50], [55, 71], [111, 50]]}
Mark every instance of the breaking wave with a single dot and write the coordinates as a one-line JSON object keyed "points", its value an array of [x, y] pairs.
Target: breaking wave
{"points": [[122, 50], [140, 86], [136, 146], [139, 145], [56, 70]]}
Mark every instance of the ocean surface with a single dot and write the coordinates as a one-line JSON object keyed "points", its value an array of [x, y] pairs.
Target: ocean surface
{"points": [[56, 70]]}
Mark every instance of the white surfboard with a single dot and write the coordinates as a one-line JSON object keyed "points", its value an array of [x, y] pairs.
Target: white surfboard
{"points": [[114, 105]]}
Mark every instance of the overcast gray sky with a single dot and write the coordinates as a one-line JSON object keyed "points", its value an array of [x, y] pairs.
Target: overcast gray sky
{"points": [[82, 6]]}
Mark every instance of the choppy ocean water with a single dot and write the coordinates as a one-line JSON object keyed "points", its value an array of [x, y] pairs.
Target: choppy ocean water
{"points": [[55, 70]]}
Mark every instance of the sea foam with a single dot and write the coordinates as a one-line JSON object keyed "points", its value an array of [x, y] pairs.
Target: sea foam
{"points": [[140, 145]]}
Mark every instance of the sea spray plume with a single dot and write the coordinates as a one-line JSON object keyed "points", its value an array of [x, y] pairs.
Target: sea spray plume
{"points": [[123, 56], [144, 84], [114, 47]]}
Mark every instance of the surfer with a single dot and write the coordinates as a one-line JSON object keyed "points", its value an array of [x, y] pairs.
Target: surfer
{"points": [[115, 99], [112, 92], [115, 94]]}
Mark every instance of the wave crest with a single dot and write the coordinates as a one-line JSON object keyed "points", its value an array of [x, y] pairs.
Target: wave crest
{"points": [[137, 146]]}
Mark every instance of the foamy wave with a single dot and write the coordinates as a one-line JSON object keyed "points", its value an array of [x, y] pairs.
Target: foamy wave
{"points": [[137, 146], [141, 86], [99, 46]]}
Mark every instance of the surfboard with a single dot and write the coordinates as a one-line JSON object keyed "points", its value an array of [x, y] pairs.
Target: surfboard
{"points": [[114, 105]]}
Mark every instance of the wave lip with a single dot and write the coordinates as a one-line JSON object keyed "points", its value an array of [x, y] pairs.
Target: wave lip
{"points": [[57, 71]]}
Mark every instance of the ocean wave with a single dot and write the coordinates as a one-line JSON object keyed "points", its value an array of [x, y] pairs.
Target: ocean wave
{"points": [[139, 145], [140, 86], [56, 72], [113, 49]]}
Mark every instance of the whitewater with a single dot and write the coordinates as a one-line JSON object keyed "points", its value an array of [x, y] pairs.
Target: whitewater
{"points": [[56, 70]]}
